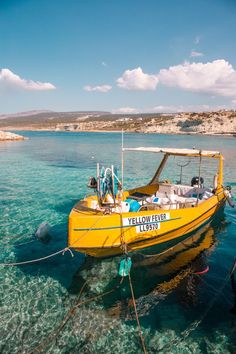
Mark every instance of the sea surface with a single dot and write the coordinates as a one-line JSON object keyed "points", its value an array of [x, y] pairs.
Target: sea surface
{"points": [[68, 304]]}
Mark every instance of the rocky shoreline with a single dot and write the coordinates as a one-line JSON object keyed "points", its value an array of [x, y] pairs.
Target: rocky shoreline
{"points": [[222, 122], [7, 136]]}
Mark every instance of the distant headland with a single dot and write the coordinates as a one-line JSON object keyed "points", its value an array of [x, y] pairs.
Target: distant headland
{"points": [[221, 122]]}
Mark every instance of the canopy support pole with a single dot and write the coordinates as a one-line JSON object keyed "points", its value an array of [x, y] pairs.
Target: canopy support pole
{"points": [[159, 170], [199, 176]]}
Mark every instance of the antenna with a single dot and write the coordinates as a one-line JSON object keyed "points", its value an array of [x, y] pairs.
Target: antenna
{"points": [[122, 158], [181, 169]]}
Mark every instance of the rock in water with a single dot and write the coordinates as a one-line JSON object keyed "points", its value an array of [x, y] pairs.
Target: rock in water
{"points": [[43, 232], [7, 136]]}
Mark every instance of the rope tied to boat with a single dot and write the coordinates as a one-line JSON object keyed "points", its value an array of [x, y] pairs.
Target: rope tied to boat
{"points": [[63, 251], [72, 311], [196, 323], [69, 250], [136, 315]]}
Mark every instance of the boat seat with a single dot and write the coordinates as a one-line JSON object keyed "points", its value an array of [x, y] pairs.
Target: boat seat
{"points": [[178, 189], [182, 190], [171, 196], [201, 192]]}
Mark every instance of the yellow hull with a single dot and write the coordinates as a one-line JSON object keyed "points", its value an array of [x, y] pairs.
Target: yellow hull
{"points": [[93, 233]]}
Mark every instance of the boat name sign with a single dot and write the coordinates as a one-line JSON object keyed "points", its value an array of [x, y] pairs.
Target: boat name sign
{"points": [[146, 223]]}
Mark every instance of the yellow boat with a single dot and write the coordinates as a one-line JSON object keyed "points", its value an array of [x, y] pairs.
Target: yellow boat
{"points": [[112, 222]]}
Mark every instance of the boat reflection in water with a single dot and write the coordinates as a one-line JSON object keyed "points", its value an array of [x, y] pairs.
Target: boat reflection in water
{"points": [[154, 276]]}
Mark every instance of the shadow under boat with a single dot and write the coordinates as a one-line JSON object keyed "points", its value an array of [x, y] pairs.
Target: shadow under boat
{"points": [[155, 273]]}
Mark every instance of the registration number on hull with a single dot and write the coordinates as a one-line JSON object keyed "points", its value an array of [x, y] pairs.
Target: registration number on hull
{"points": [[146, 223]]}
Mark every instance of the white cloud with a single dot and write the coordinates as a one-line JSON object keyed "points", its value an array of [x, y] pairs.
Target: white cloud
{"points": [[125, 110], [136, 79], [104, 63], [168, 109], [195, 54], [9, 80], [102, 88], [184, 108], [217, 77]]}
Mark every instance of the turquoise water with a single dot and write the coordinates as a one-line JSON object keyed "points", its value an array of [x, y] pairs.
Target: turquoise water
{"points": [[40, 181]]}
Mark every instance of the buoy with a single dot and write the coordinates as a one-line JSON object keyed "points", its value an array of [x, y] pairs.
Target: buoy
{"points": [[229, 196], [43, 232], [125, 266]]}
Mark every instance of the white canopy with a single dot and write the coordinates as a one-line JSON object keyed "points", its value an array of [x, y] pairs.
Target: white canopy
{"points": [[179, 152]]}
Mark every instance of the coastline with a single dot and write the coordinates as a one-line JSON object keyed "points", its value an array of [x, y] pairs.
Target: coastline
{"points": [[225, 134], [212, 123]]}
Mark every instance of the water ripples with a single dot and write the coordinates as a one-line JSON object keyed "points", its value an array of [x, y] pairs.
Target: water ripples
{"points": [[40, 181]]}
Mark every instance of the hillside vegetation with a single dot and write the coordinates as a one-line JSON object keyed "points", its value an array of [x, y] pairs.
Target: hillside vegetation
{"points": [[219, 122]]}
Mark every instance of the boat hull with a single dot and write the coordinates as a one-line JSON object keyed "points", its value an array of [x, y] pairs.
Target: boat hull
{"points": [[101, 235]]}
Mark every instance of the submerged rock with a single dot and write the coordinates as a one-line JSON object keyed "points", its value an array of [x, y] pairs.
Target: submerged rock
{"points": [[7, 136]]}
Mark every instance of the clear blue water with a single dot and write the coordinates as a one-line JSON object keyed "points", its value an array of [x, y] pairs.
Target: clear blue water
{"points": [[40, 180]]}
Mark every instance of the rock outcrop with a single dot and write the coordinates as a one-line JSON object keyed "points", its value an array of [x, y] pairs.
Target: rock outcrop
{"points": [[7, 136]]}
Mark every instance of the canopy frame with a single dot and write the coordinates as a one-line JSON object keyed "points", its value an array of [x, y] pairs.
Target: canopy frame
{"points": [[179, 152]]}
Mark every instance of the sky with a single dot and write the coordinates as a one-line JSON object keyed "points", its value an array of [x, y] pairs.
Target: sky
{"points": [[126, 56]]}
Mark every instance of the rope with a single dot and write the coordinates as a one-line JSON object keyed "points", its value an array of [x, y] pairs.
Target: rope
{"points": [[71, 313], [60, 327], [19, 237], [123, 244], [169, 249], [87, 231], [124, 248], [212, 288], [38, 259], [50, 255], [24, 243], [136, 315], [196, 323]]}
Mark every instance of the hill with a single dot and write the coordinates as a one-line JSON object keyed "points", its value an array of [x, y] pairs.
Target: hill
{"points": [[218, 122]]}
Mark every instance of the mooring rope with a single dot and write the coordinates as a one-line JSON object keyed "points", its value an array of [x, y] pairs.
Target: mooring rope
{"points": [[136, 315], [38, 259], [24, 243], [169, 249], [196, 323], [60, 327], [71, 313], [53, 254], [20, 237]]}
